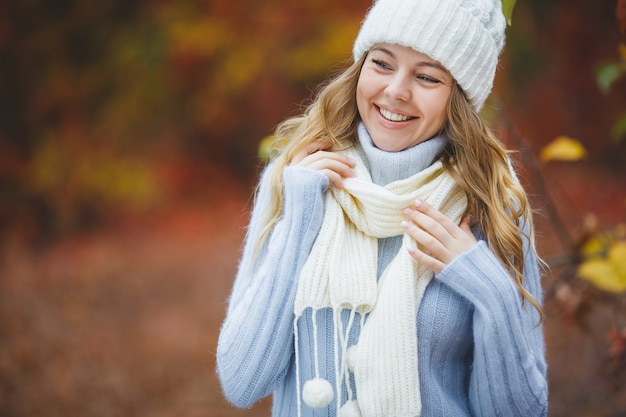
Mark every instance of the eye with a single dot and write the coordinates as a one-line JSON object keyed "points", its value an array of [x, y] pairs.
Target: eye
{"points": [[381, 64], [428, 79]]}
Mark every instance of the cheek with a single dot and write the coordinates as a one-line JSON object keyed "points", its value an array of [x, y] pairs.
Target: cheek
{"points": [[359, 100], [361, 94], [439, 107]]}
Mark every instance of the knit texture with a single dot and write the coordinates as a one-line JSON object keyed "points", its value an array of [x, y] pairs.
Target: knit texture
{"points": [[341, 273], [480, 351], [465, 36]]}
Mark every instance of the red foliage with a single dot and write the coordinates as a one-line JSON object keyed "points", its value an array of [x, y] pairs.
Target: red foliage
{"points": [[621, 16], [121, 320]]}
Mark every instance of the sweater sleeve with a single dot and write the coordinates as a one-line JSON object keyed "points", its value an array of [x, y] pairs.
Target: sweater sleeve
{"points": [[508, 376], [255, 344]]}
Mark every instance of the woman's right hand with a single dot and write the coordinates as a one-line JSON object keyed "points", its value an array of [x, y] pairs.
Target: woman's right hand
{"points": [[335, 166]]}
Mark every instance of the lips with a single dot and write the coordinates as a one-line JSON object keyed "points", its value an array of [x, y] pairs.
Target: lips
{"points": [[394, 117]]}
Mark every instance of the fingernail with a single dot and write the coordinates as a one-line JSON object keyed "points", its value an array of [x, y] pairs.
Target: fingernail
{"points": [[418, 203], [405, 224], [407, 211]]}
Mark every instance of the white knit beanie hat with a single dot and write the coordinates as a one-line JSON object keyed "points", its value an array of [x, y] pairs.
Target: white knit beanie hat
{"points": [[465, 36]]}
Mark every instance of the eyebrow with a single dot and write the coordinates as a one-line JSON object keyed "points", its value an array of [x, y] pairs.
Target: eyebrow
{"points": [[432, 64]]}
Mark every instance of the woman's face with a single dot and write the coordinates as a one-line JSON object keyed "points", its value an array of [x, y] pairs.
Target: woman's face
{"points": [[402, 96]]}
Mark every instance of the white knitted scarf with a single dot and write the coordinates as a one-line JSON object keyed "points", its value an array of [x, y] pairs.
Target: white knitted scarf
{"points": [[340, 273]]}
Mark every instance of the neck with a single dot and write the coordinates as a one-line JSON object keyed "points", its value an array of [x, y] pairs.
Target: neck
{"points": [[386, 167]]}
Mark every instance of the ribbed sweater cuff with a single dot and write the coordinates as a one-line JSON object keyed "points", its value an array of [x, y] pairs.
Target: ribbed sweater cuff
{"points": [[478, 276], [299, 182]]}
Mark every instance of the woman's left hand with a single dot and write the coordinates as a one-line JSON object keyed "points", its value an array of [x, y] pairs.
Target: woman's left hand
{"points": [[439, 240]]}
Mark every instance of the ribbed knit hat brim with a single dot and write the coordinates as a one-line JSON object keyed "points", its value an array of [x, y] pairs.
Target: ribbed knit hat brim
{"points": [[465, 36]]}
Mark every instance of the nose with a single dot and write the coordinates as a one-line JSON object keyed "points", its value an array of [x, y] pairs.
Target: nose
{"points": [[398, 87]]}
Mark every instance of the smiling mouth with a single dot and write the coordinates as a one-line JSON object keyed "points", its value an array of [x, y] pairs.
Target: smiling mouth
{"points": [[394, 117]]}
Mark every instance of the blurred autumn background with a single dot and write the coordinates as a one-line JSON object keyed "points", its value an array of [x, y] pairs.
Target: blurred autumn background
{"points": [[129, 147]]}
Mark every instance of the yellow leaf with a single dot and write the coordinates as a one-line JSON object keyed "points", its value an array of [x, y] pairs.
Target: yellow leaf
{"points": [[594, 246], [563, 148], [603, 274], [617, 257], [264, 151]]}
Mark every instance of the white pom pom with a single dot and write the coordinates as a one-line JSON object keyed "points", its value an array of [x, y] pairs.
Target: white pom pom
{"points": [[350, 409], [351, 356], [317, 393]]}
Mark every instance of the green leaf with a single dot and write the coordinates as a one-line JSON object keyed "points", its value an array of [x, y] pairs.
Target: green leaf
{"points": [[507, 9], [606, 74]]}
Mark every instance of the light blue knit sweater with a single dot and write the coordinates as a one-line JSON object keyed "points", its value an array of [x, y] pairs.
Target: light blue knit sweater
{"points": [[480, 352]]}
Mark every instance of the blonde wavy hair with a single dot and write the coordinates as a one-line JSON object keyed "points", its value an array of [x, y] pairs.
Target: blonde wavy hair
{"points": [[473, 156]]}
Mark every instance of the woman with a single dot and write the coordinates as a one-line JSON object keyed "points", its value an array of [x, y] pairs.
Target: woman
{"points": [[389, 267]]}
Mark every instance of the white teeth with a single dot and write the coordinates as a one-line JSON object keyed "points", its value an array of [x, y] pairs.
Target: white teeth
{"points": [[394, 117]]}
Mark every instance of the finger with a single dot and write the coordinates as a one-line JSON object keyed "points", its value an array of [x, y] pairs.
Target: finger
{"points": [[335, 179], [438, 216], [466, 225], [321, 155], [309, 149], [317, 146], [467, 238], [316, 159], [429, 262], [430, 225], [426, 242], [332, 163]]}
